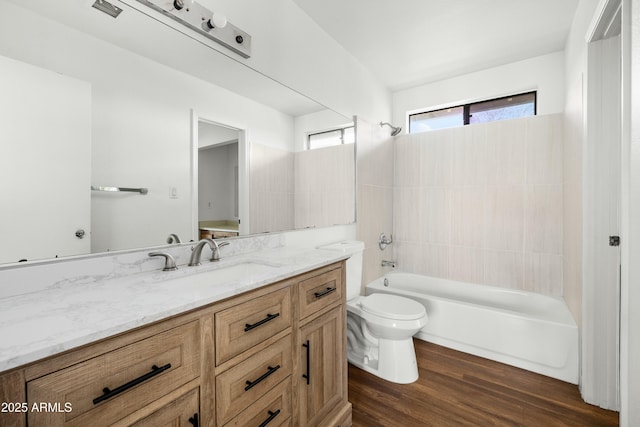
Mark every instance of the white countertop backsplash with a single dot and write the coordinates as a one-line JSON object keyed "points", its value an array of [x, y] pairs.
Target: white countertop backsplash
{"points": [[50, 307]]}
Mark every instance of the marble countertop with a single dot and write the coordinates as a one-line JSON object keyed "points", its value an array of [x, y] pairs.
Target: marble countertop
{"points": [[47, 322]]}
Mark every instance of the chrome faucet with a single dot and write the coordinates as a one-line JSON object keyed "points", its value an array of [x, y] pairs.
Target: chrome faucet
{"points": [[386, 263], [197, 251], [173, 238]]}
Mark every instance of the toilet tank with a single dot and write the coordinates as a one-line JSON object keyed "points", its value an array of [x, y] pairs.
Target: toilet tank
{"points": [[355, 249]]}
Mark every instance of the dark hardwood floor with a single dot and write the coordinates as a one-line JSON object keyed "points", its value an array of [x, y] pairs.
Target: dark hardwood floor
{"points": [[458, 389]]}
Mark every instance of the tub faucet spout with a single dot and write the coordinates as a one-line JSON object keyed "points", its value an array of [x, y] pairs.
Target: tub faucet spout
{"points": [[386, 263]]}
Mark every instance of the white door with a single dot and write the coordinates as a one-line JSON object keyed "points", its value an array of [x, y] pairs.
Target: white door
{"points": [[602, 195], [45, 163]]}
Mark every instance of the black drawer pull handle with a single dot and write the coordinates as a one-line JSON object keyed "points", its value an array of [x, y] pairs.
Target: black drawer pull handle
{"points": [[308, 374], [270, 371], [194, 420], [323, 293], [272, 415], [108, 393], [248, 327]]}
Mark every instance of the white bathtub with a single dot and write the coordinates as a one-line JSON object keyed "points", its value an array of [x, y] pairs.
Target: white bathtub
{"points": [[523, 329]]}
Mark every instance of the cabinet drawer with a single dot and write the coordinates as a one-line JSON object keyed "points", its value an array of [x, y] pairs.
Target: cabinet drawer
{"points": [[246, 382], [242, 326], [318, 292], [108, 387], [273, 409], [184, 411]]}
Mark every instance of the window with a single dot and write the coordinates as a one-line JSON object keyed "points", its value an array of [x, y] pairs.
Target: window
{"points": [[508, 107], [330, 138]]}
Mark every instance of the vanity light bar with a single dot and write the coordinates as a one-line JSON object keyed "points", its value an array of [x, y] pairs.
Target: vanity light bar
{"points": [[199, 19]]}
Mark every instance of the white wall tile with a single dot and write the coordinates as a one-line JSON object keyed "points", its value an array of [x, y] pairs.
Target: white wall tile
{"points": [[407, 156], [544, 150], [436, 150], [468, 216], [543, 223], [466, 264], [469, 155], [489, 197], [504, 218], [543, 273], [505, 152], [434, 208], [407, 214], [504, 268]]}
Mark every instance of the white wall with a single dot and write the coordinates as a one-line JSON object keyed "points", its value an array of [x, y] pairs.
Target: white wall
{"points": [[216, 182], [291, 48], [543, 73]]}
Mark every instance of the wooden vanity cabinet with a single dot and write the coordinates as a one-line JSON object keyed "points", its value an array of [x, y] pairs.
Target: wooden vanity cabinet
{"points": [[274, 356], [182, 411], [322, 344], [12, 393], [115, 384]]}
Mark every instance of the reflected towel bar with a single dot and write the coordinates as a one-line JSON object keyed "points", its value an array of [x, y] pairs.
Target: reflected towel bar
{"points": [[131, 190]]}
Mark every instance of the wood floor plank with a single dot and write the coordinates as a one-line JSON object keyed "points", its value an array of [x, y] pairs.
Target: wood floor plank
{"points": [[459, 389]]}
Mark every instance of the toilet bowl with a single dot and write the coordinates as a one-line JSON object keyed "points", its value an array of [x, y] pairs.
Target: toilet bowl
{"points": [[379, 335], [380, 327]]}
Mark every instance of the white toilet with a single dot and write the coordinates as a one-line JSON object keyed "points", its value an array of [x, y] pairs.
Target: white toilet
{"points": [[380, 327]]}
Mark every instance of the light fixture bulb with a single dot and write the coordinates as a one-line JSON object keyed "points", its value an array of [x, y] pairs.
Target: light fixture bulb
{"points": [[181, 4], [217, 20]]}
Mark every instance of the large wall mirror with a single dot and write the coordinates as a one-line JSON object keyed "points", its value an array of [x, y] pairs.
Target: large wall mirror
{"points": [[197, 141]]}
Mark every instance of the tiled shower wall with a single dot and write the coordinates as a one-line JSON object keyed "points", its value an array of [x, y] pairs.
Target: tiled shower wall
{"points": [[324, 191], [271, 205], [312, 188], [482, 203]]}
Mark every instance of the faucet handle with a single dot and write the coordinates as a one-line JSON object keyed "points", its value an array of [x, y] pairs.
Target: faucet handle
{"points": [[169, 261], [383, 241], [215, 250]]}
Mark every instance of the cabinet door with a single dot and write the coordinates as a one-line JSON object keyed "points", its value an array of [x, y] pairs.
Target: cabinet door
{"points": [[322, 361], [182, 412]]}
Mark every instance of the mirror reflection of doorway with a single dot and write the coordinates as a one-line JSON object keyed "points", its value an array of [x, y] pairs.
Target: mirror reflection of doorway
{"points": [[218, 186]]}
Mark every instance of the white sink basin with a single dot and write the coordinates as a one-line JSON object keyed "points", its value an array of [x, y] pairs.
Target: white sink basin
{"points": [[220, 275], [238, 271]]}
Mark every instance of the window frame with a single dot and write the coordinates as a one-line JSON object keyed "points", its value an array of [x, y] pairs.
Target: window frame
{"points": [[466, 108], [342, 130]]}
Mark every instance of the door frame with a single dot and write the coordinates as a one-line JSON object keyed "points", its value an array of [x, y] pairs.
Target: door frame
{"points": [[244, 191], [602, 213]]}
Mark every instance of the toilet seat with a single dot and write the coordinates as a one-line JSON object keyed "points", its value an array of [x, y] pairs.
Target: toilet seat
{"points": [[392, 307]]}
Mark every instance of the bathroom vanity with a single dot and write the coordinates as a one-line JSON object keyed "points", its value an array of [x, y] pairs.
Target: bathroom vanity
{"points": [[259, 352]]}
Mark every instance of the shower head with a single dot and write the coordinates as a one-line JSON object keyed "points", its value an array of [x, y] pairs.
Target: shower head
{"points": [[394, 130]]}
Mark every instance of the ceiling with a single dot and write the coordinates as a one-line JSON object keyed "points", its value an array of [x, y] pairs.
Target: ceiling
{"points": [[405, 43]]}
